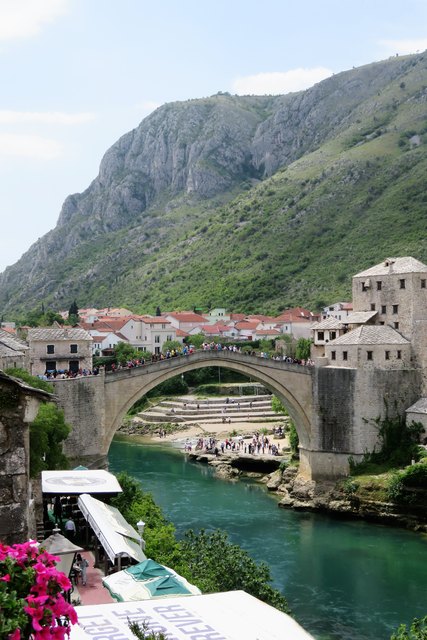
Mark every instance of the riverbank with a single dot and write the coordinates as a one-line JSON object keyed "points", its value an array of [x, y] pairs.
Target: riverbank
{"points": [[348, 497]]}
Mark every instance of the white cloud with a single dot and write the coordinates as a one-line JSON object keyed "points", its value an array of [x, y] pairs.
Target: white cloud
{"points": [[25, 18], [47, 117], [29, 146], [403, 47], [279, 82]]}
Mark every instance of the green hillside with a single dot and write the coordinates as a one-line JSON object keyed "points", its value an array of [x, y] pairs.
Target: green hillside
{"points": [[294, 238]]}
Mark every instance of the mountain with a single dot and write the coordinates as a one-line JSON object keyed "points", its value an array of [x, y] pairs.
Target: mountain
{"points": [[253, 202]]}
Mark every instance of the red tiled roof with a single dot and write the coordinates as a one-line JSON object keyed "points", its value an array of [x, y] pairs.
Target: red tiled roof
{"points": [[268, 332], [237, 316], [188, 317], [247, 325], [154, 320], [181, 334]]}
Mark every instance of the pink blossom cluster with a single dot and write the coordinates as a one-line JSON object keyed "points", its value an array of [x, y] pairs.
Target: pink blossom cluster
{"points": [[32, 603]]}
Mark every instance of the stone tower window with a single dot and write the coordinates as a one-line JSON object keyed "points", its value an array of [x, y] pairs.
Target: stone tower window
{"points": [[402, 284], [369, 355], [399, 355], [383, 308], [379, 285], [387, 355], [372, 306], [423, 283], [50, 348], [395, 308], [344, 355], [333, 355]]}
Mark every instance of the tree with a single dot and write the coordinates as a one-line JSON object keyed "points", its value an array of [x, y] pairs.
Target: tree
{"points": [[417, 630], [170, 345], [47, 433], [123, 352], [303, 348], [73, 313], [216, 564]]}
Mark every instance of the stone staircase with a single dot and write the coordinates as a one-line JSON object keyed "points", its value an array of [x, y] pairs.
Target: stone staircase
{"points": [[216, 410]]}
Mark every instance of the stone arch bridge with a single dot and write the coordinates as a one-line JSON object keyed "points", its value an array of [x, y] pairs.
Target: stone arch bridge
{"points": [[331, 407]]}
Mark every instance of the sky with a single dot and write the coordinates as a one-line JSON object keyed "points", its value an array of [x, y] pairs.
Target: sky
{"points": [[78, 74]]}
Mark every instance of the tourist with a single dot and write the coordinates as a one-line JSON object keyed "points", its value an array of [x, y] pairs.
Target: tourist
{"points": [[70, 529], [82, 564]]}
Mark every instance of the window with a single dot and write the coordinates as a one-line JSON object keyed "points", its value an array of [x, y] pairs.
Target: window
{"points": [[157, 339], [423, 284], [320, 335], [372, 306], [333, 355], [369, 355], [169, 338], [387, 355], [50, 348], [73, 348], [379, 285], [399, 355], [395, 308], [332, 335], [163, 326], [344, 355], [364, 287], [382, 323], [402, 284], [396, 326], [383, 308]]}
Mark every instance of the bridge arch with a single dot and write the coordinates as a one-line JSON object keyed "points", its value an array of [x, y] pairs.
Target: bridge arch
{"points": [[291, 383]]}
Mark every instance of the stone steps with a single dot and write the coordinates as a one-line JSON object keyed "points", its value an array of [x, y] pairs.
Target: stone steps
{"points": [[211, 411]]}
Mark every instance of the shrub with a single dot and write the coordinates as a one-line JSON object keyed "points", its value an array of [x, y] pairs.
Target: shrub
{"points": [[417, 630]]}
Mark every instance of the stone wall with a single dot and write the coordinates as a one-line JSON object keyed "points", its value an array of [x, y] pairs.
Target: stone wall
{"points": [[18, 408], [83, 402]]}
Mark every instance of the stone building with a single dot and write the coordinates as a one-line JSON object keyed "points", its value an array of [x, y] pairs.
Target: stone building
{"points": [[370, 347], [396, 289], [14, 352], [59, 349], [18, 408]]}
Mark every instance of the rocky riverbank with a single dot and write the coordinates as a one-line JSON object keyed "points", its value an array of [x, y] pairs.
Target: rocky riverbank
{"points": [[281, 478]]}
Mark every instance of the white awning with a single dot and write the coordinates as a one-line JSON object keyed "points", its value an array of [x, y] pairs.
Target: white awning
{"points": [[79, 481], [117, 536], [226, 616]]}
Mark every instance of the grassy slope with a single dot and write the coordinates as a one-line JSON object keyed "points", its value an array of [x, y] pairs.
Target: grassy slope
{"points": [[295, 238]]}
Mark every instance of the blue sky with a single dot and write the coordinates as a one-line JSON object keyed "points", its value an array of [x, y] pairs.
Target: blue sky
{"points": [[78, 74]]}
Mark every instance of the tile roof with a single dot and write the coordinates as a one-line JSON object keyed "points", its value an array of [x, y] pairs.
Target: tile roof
{"points": [[419, 407], [359, 317], [328, 323], [245, 324], [188, 317], [155, 320], [370, 334], [267, 332], [7, 351], [13, 342], [181, 334], [406, 264], [44, 333]]}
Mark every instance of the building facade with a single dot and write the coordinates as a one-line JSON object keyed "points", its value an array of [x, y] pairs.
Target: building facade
{"points": [[58, 349]]}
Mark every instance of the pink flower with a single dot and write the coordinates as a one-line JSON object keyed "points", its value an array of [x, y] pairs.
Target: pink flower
{"points": [[5, 578]]}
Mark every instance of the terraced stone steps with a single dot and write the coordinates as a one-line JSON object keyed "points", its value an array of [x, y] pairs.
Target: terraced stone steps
{"points": [[192, 410]]}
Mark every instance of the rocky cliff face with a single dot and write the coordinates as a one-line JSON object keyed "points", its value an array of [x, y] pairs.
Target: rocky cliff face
{"points": [[191, 155]]}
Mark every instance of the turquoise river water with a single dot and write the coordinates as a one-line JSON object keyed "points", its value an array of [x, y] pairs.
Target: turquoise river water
{"points": [[344, 579]]}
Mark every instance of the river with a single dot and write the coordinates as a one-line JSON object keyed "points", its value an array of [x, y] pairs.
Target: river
{"points": [[344, 579]]}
